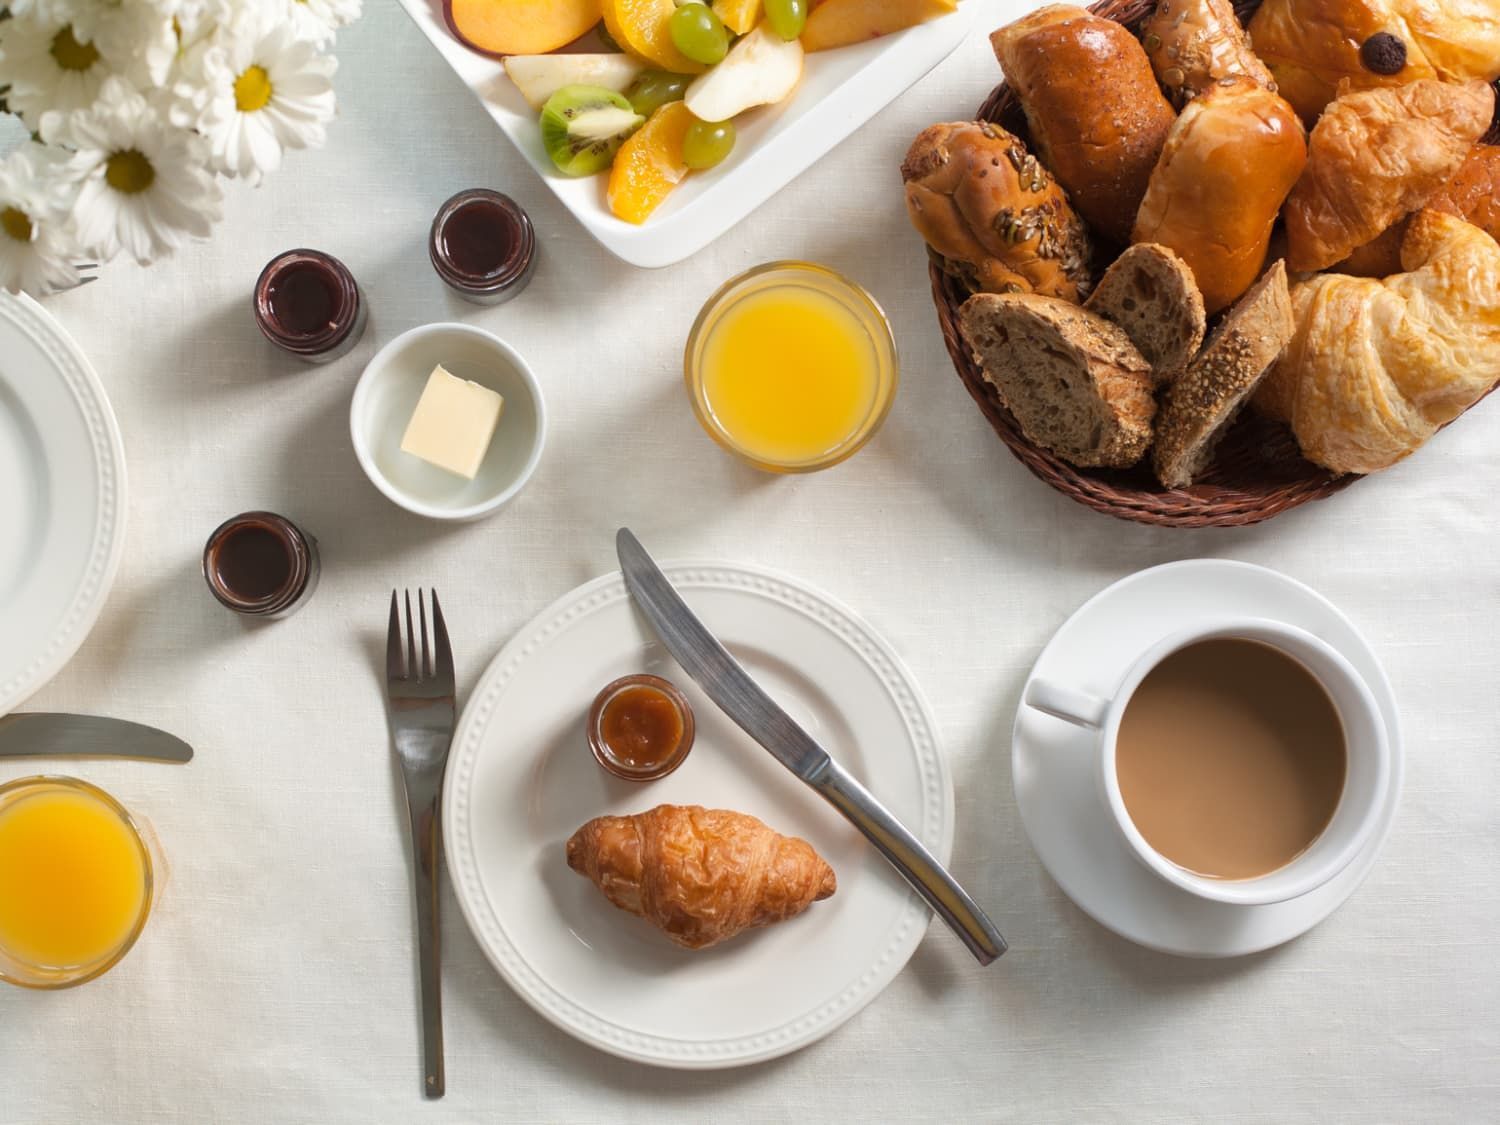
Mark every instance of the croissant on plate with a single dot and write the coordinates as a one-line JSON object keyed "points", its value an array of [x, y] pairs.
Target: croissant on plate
{"points": [[1375, 366], [700, 875]]}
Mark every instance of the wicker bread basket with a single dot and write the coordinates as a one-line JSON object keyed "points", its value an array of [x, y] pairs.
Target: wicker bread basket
{"points": [[1257, 471]]}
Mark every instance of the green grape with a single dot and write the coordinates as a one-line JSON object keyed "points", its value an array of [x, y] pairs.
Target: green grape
{"points": [[653, 89], [787, 17], [707, 143], [699, 34]]}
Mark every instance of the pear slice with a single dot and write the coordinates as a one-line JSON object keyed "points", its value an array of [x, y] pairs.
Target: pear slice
{"points": [[761, 69], [538, 77]]}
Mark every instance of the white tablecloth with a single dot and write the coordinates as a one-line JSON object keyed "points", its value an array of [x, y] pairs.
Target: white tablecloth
{"points": [[276, 982]]}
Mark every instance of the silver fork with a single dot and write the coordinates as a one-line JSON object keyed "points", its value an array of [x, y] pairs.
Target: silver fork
{"points": [[420, 703]]}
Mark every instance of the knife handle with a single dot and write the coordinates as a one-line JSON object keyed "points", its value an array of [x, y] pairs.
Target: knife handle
{"points": [[917, 865]]}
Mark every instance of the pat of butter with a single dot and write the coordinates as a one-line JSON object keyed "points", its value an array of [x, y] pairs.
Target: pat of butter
{"points": [[453, 423]]}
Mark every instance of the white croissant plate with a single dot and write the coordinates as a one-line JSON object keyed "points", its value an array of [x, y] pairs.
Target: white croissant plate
{"points": [[62, 498], [840, 90], [521, 779]]}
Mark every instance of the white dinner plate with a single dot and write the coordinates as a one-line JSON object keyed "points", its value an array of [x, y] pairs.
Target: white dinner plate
{"points": [[839, 92], [1055, 764], [521, 780], [62, 497]]}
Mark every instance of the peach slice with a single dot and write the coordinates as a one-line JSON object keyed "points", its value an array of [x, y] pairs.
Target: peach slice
{"points": [[740, 16], [837, 23], [519, 27], [641, 27], [649, 165]]}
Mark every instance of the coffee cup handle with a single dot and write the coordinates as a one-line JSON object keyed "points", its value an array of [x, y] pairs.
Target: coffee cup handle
{"points": [[1069, 704]]}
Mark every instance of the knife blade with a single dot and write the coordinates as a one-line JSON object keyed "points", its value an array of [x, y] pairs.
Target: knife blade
{"points": [[40, 734], [725, 682]]}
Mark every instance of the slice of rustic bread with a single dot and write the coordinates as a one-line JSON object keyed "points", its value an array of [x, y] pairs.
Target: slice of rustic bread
{"points": [[1073, 380], [1150, 293], [1204, 399]]}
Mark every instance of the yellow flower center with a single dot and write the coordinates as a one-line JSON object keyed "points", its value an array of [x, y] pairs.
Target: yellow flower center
{"points": [[252, 90], [71, 54], [129, 172], [16, 223]]}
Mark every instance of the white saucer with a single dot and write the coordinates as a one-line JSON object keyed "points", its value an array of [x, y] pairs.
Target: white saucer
{"points": [[1053, 764]]}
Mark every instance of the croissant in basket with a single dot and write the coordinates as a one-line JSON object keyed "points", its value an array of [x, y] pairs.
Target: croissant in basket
{"points": [[1312, 46], [1376, 366], [700, 875]]}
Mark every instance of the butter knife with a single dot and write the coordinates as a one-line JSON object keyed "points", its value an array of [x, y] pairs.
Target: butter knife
{"points": [[725, 682], [38, 734]]}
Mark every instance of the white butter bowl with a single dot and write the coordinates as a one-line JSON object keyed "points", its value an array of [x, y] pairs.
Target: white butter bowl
{"points": [[387, 393]]}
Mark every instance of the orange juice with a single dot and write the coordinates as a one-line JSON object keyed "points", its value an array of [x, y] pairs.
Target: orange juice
{"points": [[75, 881], [792, 367]]}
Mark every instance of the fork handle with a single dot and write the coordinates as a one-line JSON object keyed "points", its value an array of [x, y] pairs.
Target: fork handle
{"points": [[422, 790]]}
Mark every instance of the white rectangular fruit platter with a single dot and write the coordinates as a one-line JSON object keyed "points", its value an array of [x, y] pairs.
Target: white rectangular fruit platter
{"points": [[840, 90]]}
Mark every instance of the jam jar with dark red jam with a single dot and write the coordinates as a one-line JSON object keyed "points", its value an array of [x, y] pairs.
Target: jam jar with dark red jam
{"points": [[261, 564], [483, 246], [307, 303]]}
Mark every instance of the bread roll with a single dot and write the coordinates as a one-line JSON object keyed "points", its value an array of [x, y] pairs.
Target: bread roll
{"points": [[1229, 161], [1097, 118], [1376, 366], [1194, 43], [1313, 45], [992, 214], [1375, 155]]}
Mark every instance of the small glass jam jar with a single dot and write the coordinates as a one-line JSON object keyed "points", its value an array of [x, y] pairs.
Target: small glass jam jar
{"points": [[308, 303], [261, 565], [483, 246], [640, 727]]}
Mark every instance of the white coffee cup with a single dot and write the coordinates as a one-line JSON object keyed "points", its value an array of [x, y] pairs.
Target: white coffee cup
{"points": [[1367, 777]]}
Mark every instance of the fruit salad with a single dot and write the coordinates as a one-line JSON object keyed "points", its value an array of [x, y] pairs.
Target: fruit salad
{"points": [[660, 104]]}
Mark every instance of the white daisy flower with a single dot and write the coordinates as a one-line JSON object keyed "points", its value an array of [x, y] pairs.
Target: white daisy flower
{"points": [[37, 250], [49, 66], [59, 11], [144, 185], [318, 20], [135, 36], [253, 90]]}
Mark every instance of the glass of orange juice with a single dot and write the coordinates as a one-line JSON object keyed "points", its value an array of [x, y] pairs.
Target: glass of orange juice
{"points": [[76, 880], [792, 367]]}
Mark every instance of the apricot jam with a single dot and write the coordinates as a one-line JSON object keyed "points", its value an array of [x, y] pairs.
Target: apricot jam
{"points": [[640, 727]]}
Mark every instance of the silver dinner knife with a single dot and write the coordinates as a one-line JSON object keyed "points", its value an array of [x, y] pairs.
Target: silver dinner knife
{"points": [[38, 734], [728, 684]]}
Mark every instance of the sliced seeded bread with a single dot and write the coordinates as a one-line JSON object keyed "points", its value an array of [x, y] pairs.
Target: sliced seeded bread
{"points": [[1150, 293], [1073, 380], [1203, 401]]}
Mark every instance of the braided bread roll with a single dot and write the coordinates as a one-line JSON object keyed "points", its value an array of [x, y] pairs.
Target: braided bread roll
{"points": [[700, 875]]}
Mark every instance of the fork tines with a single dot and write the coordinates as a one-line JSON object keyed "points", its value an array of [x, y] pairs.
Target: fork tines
{"points": [[401, 663]]}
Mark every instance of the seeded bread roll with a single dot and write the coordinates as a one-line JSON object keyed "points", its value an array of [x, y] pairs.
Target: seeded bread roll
{"points": [[1073, 380], [992, 215], [1208, 396], [1150, 293], [1098, 119], [1194, 43]]}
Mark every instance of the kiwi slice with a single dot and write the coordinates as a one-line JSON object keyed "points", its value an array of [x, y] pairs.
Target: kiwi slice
{"points": [[584, 126]]}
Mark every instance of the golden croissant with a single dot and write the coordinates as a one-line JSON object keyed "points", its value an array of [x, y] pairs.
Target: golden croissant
{"points": [[1375, 366], [700, 875]]}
